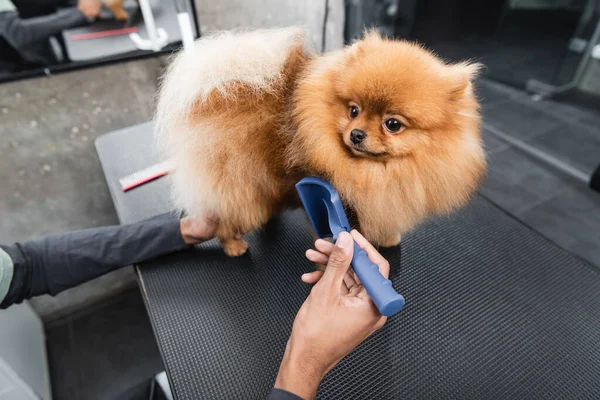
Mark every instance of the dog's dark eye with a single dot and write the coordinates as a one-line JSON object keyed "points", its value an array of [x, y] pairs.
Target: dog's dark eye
{"points": [[393, 125], [353, 112]]}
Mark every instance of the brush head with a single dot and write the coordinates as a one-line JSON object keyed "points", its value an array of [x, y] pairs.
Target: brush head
{"points": [[326, 213], [323, 206]]}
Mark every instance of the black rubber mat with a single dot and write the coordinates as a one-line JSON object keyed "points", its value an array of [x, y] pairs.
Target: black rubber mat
{"points": [[493, 311], [595, 179]]}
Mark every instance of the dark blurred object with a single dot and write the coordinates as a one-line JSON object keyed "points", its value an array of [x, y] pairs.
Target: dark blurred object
{"points": [[393, 18], [451, 19], [595, 181], [37, 8], [517, 40], [147, 390], [438, 19]]}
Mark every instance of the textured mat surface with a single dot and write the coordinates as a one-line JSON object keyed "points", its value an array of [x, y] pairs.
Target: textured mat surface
{"points": [[493, 311]]}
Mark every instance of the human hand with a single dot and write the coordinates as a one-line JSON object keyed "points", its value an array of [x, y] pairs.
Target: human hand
{"points": [[335, 318], [196, 230], [89, 8]]}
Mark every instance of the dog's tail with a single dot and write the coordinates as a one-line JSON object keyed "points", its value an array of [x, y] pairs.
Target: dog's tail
{"points": [[254, 59], [230, 66]]}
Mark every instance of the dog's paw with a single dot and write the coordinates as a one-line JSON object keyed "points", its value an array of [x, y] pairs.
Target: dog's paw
{"points": [[235, 247], [390, 241]]}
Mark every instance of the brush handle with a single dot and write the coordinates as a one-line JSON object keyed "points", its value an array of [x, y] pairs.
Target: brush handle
{"points": [[382, 293]]}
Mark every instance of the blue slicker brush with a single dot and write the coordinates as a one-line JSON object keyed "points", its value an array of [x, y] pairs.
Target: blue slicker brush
{"points": [[326, 213]]}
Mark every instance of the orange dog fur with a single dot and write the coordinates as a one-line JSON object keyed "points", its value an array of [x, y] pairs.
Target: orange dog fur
{"points": [[117, 7], [244, 116]]}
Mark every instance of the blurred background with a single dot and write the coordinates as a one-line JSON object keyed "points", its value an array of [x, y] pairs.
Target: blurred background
{"points": [[66, 79]]}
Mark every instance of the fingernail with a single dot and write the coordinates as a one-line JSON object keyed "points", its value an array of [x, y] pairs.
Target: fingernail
{"points": [[344, 240], [304, 276]]}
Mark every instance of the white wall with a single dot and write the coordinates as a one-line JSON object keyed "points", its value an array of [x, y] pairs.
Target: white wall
{"points": [[233, 14]]}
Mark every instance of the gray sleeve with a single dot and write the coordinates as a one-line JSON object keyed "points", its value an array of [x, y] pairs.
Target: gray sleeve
{"points": [[280, 394], [22, 32], [54, 263]]}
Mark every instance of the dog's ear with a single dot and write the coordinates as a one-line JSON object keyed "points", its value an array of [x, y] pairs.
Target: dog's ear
{"points": [[355, 52], [462, 76], [369, 37], [372, 35]]}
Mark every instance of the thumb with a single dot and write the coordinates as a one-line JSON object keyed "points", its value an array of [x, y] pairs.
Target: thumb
{"points": [[339, 260]]}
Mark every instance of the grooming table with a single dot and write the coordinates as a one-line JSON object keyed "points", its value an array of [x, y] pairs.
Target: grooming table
{"points": [[493, 310]]}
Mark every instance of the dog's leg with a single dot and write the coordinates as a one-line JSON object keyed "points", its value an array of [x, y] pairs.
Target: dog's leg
{"points": [[390, 241], [116, 6], [234, 247]]}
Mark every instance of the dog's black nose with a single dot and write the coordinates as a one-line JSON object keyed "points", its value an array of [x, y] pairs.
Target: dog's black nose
{"points": [[357, 136]]}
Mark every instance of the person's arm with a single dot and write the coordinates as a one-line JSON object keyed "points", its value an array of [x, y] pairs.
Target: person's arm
{"points": [[22, 32], [58, 262], [335, 318], [280, 394]]}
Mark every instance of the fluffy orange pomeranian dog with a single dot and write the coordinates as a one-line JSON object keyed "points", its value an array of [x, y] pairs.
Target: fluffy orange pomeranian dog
{"points": [[244, 116]]}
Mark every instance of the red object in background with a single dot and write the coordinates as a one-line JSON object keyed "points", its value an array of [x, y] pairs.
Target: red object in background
{"points": [[101, 34]]}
